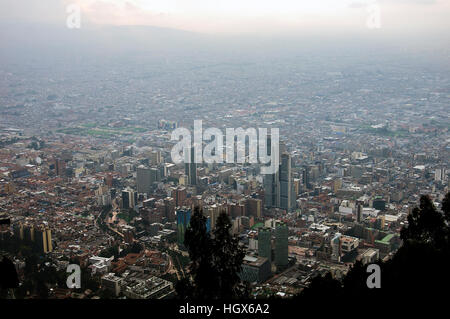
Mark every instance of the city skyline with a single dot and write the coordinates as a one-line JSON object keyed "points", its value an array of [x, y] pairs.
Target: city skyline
{"points": [[224, 150]]}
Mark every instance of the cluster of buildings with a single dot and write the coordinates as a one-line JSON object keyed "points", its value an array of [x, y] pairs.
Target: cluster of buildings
{"points": [[85, 172]]}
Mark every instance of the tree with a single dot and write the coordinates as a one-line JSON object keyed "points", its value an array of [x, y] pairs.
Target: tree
{"points": [[41, 290], [446, 207], [227, 257], [324, 287], [425, 224], [215, 261], [110, 251], [8, 275], [199, 245]]}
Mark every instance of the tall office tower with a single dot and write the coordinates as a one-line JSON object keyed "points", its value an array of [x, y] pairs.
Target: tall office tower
{"points": [[155, 175], [272, 190], [109, 180], [180, 195], [213, 212], [190, 167], [169, 208], [143, 180], [281, 245], [129, 198], [282, 149], [265, 243], [236, 210], [29, 233], [306, 178], [49, 240], [60, 167], [162, 172], [253, 207], [438, 174], [183, 219], [359, 211], [296, 186], [287, 192], [18, 230], [337, 185], [44, 239], [279, 188], [155, 157]]}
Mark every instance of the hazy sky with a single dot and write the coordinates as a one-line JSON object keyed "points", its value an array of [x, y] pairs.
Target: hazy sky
{"points": [[232, 16]]}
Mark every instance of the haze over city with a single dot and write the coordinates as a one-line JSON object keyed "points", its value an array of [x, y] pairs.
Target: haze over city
{"points": [[92, 93]]}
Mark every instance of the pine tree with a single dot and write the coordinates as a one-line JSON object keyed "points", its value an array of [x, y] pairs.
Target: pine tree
{"points": [[425, 225], [215, 261], [228, 257], [198, 242], [446, 207]]}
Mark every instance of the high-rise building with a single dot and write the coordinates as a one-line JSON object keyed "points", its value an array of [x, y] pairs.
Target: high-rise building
{"points": [[379, 203], [155, 175], [253, 207], [60, 167], [306, 177], [272, 190], [255, 269], [279, 188], [155, 157], [129, 198], [212, 212], [236, 210], [143, 180], [265, 243], [190, 166], [438, 174], [359, 211], [18, 230], [43, 239], [183, 219], [28, 233], [287, 192], [281, 245], [180, 195], [169, 208], [337, 185], [112, 283]]}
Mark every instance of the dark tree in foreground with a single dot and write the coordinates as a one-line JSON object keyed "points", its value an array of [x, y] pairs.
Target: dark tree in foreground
{"points": [[8, 276], [425, 225], [446, 208], [215, 261], [202, 281], [227, 258], [324, 286], [420, 267]]}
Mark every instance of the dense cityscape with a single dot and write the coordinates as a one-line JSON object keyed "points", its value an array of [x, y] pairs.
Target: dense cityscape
{"points": [[87, 176]]}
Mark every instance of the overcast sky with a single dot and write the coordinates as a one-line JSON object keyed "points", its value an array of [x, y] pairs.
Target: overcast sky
{"points": [[240, 16]]}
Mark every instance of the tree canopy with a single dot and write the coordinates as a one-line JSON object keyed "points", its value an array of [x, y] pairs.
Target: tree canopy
{"points": [[216, 261]]}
